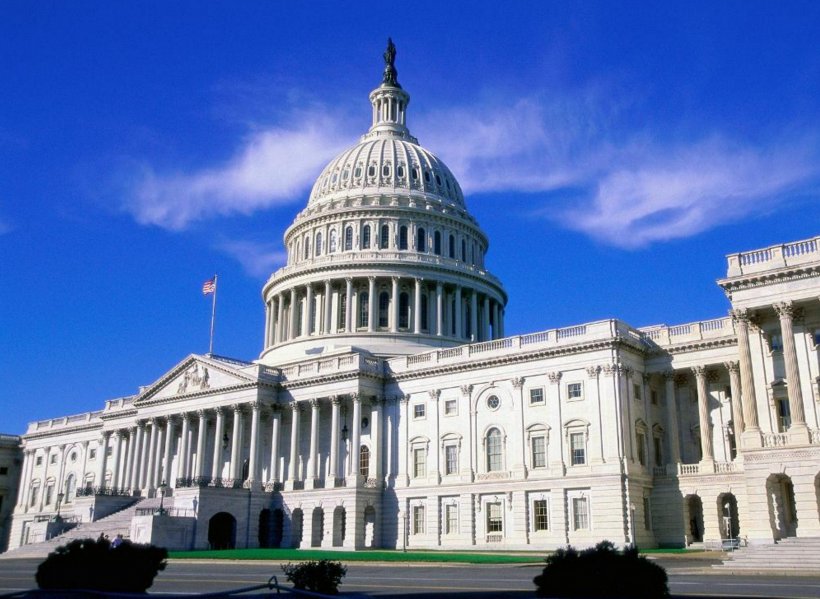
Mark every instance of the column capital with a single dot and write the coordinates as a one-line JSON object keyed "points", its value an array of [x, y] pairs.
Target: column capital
{"points": [[185, 416], [356, 397], [555, 377], [255, 405], [732, 366], [295, 406], [699, 371], [335, 400], [314, 403], [593, 371], [434, 394], [219, 410], [740, 315], [202, 414], [518, 382], [237, 408], [466, 390], [785, 310], [404, 399], [669, 375]]}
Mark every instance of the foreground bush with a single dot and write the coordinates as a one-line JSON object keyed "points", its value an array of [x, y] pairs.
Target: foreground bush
{"points": [[601, 572], [323, 576], [96, 565]]}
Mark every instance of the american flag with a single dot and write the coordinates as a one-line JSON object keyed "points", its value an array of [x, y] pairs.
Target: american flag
{"points": [[209, 286]]}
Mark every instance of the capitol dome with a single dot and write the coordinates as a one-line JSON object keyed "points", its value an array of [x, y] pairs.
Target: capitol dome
{"points": [[385, 257]]}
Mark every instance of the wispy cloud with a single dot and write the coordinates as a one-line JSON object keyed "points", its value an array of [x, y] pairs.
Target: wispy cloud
{"points": [[258, 259], [270, 167]]}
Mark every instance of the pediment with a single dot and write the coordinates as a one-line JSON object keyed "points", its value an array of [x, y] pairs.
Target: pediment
{"points": [[196, 375]]}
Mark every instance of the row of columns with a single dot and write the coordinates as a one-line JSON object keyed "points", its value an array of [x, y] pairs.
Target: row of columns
{"points": [[446, 318]]}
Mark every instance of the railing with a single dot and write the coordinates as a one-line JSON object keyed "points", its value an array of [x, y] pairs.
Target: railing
{"points": [[659, 471], [327, 365], [775, 439], [688, 469], [173, 512], [91, 491], [495, 537], [493, 476], [693, 331], [776, 256]]}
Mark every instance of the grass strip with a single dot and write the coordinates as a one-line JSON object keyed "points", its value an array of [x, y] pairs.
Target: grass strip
{"points": [[359, 556]]}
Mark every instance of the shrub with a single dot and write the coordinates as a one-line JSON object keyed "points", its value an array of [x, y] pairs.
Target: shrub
{"points": [[96, 565], [602, 571], [323, 576]]}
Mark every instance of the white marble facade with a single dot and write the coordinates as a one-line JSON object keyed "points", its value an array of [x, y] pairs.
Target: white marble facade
{"points": [[389, 409]]}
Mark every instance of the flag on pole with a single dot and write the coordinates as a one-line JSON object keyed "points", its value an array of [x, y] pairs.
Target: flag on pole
{"points": [[209, 286]]}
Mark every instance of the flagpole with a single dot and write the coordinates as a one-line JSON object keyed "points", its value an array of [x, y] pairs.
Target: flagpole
{"points": [[213, 317]]}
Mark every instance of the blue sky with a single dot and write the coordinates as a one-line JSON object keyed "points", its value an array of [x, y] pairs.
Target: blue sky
{"points": [[614, 152]]}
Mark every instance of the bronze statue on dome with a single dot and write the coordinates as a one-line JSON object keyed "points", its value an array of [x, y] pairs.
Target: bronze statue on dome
{"points": [[390, 75]]}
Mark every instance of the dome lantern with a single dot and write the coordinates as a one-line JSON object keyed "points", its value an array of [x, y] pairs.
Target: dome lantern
{"points": [[389, 102]]}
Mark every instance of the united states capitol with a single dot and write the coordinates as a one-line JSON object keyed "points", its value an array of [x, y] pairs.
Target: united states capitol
{"points": [[389, 409]]}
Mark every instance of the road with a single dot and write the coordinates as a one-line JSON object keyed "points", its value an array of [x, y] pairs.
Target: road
{"points": [[687, 578]]}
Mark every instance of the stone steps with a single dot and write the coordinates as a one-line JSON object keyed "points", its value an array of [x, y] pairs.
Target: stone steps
{"points": [[791, 556], [112, 525]]}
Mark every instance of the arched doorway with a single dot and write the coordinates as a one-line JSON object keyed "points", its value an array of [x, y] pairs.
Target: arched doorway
{"points": [[782, 513], [317, 529], [338, 526], [296, 526], [222, 531], [70, 488], [694, 518], [370, 527], [728, 516], [264, 528], [277, 527]]}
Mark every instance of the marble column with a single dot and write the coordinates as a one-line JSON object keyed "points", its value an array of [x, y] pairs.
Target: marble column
{"points": [[293, 464], [313, 456], [183, 455], [417, 308], [349, 305], [294, 308], [101, 459], [253, 458], [158, 458], [216, 467], [394, 305], [115, 459], [129, 460], [328, 304], [377, 438], [356, 437], [485, 333], [751, 432], [798, 430], [473, 315], [236, 444], [268, 319], [168, 456], [202, 428], [333, 469], [457, 316], [707, 453], [151, 457], [24, 477], [371, 304], [672, 418], [137, 467], [280, 323], [734, 386], [439, 309], [276, 422]]}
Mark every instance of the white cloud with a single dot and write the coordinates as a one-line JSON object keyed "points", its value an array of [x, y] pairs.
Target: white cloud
{"points": [[258, 259], [271, 167]]}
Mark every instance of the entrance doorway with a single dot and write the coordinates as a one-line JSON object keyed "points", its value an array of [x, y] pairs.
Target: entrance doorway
{"points": [[782, 512], [317, 529], [296, 526], [339, 526], [222, 531], [728, 516], [694, 513]]}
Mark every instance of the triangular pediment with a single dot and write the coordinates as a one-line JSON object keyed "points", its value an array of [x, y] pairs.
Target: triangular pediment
{"points": [[198, 375]]}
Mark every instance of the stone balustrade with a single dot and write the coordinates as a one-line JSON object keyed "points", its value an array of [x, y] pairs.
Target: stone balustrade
{"points": [[665, 335], [776, 256]]}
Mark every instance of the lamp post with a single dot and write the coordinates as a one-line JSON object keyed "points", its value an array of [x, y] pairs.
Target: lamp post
{"points": [[728, 507], [162, 487], [59, 501]]}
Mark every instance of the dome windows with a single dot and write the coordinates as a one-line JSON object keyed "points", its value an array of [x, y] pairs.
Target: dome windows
{"points": [[403, 237], [415, 174], [400, 171], [366, 237], [421, 241], [384, 237], [318, 251], [386, 170], [348, 238], [371, 170], [438, 180], [358, 172], [332, 242], [427, 176], [437, 243]]}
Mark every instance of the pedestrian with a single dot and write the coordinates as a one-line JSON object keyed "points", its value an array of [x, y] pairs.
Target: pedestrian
{"points": [[117, 541]]}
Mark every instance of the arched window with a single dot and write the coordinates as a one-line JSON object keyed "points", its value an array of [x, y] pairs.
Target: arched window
{"points": [[463, 251], [494, 450], [318, 251], [364, 309], [366, 237], [452, 248], [332, 241], [384, 238], [306, 247], [384, 308], [348, 239], [424, 324], [404, 310], [364, 461], [341, 316], [70, 487], [402, 237], [421, 241], [437, 243]]}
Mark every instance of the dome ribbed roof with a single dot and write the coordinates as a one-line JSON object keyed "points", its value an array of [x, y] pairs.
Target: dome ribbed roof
{"points": [[386, 164]]}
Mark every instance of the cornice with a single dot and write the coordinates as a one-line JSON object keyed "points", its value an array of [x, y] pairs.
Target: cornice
{"points": [[332, 378], [784, 275], [691, 346], [80, 428], [204, 393]]}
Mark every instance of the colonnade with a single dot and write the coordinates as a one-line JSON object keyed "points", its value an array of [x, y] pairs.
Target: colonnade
{"points": [[379, 304]]}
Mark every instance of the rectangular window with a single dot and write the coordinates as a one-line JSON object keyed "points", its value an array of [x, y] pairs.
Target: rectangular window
{"points": [[33, 496], [575, 391], [450, 519], [647, 514], [451, 407], [577, 444], [418, 411], [92, 454], [419, 462], [39, 461], [418, 520], [536, 396], [776, 342], [636, 392], [53, 458], [539, 452], [49, 494], [540, 515], [364, 310], [653, 397], [658, 450], [495, 520], [451, 459], [109, 452], [640, 441], [580, 513]]}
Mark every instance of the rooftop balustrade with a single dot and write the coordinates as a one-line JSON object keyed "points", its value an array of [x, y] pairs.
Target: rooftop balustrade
{"points": [[686, 333], [773, 257]]}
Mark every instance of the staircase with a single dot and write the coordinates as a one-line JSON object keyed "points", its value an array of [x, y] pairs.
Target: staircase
{"points": [[792, 556], [112, 525]]}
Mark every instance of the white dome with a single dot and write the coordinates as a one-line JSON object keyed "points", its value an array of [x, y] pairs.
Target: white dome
{"points": [[386, 165]]}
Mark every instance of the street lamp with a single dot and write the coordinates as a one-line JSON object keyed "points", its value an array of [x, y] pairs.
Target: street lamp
{"points": [[162, 487], [728, 507]]}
